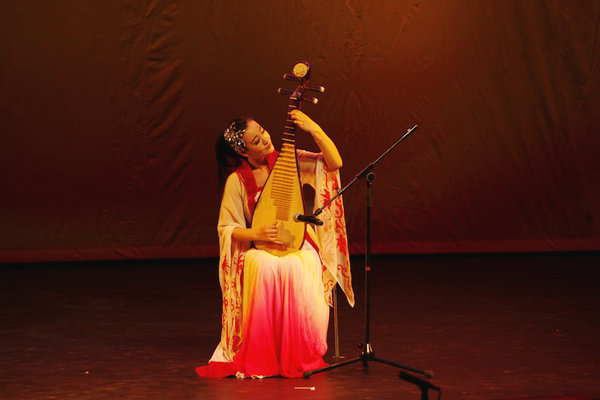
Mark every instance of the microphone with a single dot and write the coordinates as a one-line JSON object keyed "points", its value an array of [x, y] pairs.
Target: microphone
{"points": [[309, 219]]}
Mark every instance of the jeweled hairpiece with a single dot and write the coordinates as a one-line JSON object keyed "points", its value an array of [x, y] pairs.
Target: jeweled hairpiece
{"points": [[233, 136]]}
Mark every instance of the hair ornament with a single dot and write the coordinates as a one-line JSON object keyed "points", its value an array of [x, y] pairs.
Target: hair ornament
{"points": [[234, 136]]}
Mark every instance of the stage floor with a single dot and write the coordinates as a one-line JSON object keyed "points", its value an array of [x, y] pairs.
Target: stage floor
{"points": [[489, 326]]}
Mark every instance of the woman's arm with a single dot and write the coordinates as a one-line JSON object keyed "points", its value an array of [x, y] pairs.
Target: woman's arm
{"points": [[330, 152], [231, 215]]}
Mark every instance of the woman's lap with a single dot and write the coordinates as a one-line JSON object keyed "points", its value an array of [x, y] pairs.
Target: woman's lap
{"points": [[285, 314]]}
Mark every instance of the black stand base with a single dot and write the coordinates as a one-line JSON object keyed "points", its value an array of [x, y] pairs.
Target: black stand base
{"points": [[366, 356]]}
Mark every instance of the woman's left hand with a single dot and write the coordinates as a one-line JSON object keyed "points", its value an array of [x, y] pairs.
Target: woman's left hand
{"points": [[304, 122]]}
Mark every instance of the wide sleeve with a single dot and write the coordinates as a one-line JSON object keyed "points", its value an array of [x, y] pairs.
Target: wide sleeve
{"points": [[231, 214], [231, 263], [307, 166], [332, 235]]}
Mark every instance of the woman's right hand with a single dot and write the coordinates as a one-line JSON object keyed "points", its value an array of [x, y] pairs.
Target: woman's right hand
{"points": [[268, 233]]}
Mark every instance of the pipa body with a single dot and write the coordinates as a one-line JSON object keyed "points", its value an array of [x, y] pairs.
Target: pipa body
{"points": [[280, 199]]}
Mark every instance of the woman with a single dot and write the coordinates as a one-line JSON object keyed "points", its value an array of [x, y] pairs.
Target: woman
{"points": [[275, 309]]}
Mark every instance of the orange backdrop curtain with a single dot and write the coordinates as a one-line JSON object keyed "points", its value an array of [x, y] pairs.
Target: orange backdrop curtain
{"points": [[109, 112]]}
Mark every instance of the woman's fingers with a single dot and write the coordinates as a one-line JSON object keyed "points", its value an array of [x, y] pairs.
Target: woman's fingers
{"points": [[272, 232]]}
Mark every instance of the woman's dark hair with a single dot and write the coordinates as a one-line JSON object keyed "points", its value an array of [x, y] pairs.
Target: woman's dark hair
{"points": [[227, 158]]}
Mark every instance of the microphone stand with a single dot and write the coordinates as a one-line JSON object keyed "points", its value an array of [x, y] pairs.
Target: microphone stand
{"points": [[367, 354]]}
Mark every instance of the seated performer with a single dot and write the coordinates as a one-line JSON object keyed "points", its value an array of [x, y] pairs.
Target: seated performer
{"points": [[275, 309]]}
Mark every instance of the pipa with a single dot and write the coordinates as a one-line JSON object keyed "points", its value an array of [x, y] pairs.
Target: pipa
{"points": [[281, 197]]}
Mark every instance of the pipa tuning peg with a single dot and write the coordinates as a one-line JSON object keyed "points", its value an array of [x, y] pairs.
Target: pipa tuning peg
{"points": [[290, 77], [318, 89], [286, 92], [313, 100]]}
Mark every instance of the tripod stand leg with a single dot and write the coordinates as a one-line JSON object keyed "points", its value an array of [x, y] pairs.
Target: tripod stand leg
{"points": [[307, 374], [369, 355], [427, 374]]}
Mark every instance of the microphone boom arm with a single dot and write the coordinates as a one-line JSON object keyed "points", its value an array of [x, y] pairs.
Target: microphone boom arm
{"points": [[364, 172]]}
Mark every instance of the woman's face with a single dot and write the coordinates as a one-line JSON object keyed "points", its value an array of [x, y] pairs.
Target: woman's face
{"points": [[258, 142]]}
